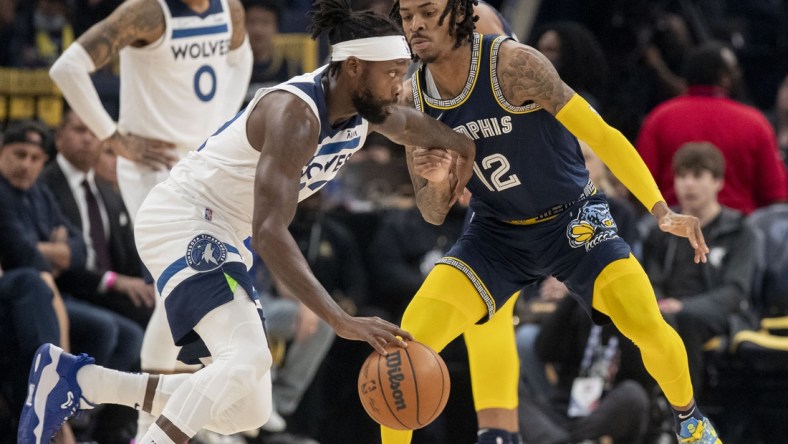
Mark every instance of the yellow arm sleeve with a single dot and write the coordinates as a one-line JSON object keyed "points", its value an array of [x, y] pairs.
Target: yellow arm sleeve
{"points": [[612, 147]]}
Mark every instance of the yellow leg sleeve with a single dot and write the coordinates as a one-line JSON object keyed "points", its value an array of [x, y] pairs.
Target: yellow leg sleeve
{"points": [[495, 366], [623, 292], [445, 306]]}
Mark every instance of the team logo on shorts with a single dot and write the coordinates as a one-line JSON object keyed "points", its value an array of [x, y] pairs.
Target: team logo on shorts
{"points": [[206, 253], [592, 226]]}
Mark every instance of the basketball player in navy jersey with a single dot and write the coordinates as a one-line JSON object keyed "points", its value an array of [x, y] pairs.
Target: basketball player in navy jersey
{"points": [[246, 181], [536, 211], [485, 365]]}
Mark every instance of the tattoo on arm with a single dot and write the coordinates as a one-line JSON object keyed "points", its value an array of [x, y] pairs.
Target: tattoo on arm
{"points": [[432, 200], [528, 75], [137, 22]]}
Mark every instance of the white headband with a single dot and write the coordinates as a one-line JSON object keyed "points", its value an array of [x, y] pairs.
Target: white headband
{"points": [[373, 49]]}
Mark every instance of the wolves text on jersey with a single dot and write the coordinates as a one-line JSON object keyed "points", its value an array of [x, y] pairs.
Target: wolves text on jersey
{"points": [[323, 168], [199, 50]]}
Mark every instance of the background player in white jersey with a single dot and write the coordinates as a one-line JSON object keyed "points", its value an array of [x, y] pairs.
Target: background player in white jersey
{"points": [[184, 67], [246, 180]]}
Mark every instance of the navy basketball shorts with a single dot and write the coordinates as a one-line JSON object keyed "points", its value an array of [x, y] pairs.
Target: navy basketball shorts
{"points": [[501, 258]]}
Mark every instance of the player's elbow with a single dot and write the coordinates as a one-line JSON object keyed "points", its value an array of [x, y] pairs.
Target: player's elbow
{"points": [[262, 237]]}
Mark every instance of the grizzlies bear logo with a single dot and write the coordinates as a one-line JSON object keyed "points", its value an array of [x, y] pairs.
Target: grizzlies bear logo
{"points": [[592, 226]]}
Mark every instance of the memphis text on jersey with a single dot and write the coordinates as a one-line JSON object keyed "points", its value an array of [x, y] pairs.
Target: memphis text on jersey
{"points": [[483, 128]]}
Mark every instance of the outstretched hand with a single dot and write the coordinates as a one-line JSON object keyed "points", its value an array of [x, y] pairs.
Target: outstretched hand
{"points": [[685, 226], [153, 153], [375, 331]]}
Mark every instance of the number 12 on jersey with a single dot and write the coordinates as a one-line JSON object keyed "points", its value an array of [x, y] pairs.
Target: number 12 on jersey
{"points": [[496, 165]]}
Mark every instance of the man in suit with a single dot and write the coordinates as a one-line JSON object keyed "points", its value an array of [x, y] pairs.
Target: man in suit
{"points": [[38, 222], [112, 275]]}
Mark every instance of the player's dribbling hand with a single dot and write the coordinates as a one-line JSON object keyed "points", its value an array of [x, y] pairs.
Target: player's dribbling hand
{"points": [[432, 164], [375, 331], [685, 226], [153, 153]]}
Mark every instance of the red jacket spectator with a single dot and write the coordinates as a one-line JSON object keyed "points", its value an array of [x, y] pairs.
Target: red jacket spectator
{"points": [[756, 175]]}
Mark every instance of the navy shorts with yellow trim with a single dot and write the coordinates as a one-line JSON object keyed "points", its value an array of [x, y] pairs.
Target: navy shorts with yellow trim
{"points": [[501, 258]]}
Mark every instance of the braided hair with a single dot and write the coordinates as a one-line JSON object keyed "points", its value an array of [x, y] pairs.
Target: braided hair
{"points": [[462, 31], [341, 23]]}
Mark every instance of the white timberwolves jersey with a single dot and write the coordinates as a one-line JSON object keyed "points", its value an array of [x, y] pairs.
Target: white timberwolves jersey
{"points": [[221, 173], [172, 89]]}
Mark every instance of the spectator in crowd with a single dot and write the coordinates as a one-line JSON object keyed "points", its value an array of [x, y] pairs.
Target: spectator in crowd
{"points": [[601, 387], [31, 312], [110, 337], [537, 303], [48, 32], [106, 167], [42, 228], [27, 320], [112, 277], [269, 65], [699, 299], [665, 46], [89, 12], [578, 58], [756, 176], [7, 27]]}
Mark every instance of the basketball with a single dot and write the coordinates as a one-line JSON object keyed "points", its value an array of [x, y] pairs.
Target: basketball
{"points": [[406, 389]]}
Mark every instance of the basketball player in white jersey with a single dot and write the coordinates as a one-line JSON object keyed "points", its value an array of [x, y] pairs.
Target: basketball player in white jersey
{"points": [[184, 67], [246, 180]]}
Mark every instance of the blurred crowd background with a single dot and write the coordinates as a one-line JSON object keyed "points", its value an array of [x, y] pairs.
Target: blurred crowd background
{"points": [[370, 248]]}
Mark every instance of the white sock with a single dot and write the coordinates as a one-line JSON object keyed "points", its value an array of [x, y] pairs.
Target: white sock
{"points": [[155, 435], [167, 384], [144, 421], [105, 386]]}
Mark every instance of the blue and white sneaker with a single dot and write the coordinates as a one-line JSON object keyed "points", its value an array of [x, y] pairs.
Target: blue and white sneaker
{"points": [[698, 432], [53, 394]]}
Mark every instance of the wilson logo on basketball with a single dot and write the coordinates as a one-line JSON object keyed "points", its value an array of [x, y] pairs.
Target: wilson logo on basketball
{"points": [[394, 364]]}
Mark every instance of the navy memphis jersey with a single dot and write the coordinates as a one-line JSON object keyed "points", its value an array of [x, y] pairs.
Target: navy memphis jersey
{"points": [[528, 166]]}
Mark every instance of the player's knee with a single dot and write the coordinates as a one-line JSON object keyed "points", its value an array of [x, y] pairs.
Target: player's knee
{"points": [[248, 413], [249, 366]]}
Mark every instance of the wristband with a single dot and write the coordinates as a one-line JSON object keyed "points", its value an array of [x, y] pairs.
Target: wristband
{"points": [[108, 281]]}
